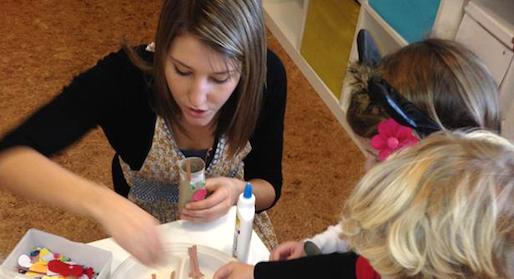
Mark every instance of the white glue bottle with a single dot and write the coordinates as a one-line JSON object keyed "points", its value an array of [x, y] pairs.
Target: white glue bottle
{"points": [[244, 223]]}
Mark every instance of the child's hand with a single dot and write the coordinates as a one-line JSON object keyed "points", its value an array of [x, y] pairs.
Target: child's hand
{"points": [[235, 271], [223, 193], [287, 251]]}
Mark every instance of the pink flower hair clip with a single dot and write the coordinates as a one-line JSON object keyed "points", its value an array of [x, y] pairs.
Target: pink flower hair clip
{"points": [[391, 137]]}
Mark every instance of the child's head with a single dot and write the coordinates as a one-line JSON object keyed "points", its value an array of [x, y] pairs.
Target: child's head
{"points": [[234, 31], [441, 78], [440, 209]]}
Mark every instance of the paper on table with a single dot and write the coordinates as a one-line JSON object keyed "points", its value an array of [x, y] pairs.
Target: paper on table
{"points": [[218, 234]]}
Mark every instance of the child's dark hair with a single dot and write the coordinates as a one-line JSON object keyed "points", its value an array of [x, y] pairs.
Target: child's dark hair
{"points": [[440, 77]]}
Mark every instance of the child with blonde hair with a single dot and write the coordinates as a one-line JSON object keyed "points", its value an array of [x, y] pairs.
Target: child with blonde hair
{"points": [[440, 209]]}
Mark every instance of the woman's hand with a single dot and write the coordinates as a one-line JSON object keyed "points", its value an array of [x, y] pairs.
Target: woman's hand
{"points": [[287, 251], [130, 226], [25, 171], [223, 193], [235, 271]]}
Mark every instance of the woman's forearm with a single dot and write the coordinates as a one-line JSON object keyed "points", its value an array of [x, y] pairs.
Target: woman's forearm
{"points": [[27, 173], [264, 193]]}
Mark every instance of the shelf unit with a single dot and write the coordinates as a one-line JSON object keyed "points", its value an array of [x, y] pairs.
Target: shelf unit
{"points": [[289, 16]]}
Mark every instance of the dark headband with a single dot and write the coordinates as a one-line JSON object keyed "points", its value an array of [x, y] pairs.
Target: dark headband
{"points": [[399, 108], [382, 93]]}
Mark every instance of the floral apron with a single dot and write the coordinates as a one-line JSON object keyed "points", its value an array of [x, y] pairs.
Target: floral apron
{"points": [[154, 187]]}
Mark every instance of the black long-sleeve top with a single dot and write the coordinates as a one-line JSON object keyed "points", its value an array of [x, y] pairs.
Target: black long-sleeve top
{"points": [[334, 265], [114, 95]]}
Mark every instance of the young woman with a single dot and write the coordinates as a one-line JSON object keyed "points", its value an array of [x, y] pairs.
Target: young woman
{"points": [[208, 87], [439, 209]]}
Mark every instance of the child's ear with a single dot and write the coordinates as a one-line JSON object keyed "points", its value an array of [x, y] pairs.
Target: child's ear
{"points": [[371, 161], [370, 155], [367, 49]]}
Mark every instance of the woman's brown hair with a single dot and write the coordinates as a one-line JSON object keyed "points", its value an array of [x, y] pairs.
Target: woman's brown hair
{"points": [[234, 29]]}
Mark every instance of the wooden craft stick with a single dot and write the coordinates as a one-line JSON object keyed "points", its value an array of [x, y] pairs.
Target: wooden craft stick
{"points": [[194, 266], [172, 275], [154, 276]]}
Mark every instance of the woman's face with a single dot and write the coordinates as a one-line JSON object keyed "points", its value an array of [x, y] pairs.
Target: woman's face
{"points": [[200, 80]]}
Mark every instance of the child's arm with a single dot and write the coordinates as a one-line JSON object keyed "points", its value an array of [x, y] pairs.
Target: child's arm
{"points": [[330, 241]]}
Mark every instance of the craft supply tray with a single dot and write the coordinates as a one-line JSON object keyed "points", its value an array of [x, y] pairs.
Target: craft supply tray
{"points": [[83, 254]]}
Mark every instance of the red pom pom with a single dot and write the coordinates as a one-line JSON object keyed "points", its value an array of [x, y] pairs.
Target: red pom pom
{"points": [[199, 195], [65, 269]]}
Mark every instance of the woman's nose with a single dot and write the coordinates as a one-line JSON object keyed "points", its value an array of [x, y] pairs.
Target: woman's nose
{"points": [[198, 92]]}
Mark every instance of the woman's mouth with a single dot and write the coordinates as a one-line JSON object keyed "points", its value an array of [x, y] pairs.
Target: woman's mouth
{"points": [[197, 113]]}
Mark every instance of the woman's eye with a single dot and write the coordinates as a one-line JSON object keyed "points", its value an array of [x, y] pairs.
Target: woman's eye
{"points": [[220, 80], [182, 73]]}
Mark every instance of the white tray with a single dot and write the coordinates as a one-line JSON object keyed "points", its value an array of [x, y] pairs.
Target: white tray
{"points": [[98, 259]]}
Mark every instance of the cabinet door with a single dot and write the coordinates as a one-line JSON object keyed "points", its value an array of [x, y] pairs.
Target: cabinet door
{"points": [[495, 55], [327, 38], [499, 59], [507, 103]]}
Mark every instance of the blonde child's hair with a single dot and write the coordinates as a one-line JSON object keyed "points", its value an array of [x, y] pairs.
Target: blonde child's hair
{"points": [[440, 209], [441, 78]]}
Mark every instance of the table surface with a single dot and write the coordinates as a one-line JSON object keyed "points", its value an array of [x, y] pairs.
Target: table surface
{"points": [[218, 234]]}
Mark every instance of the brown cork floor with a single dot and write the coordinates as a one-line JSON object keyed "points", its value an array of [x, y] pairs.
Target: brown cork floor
{"points": [[45, 43]]}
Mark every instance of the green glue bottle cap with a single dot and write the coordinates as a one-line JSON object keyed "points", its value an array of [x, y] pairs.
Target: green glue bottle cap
{"points": [[247, 193]]}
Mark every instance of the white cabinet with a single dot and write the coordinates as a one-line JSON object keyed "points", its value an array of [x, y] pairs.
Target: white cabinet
{"points": [[488, 30]]}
